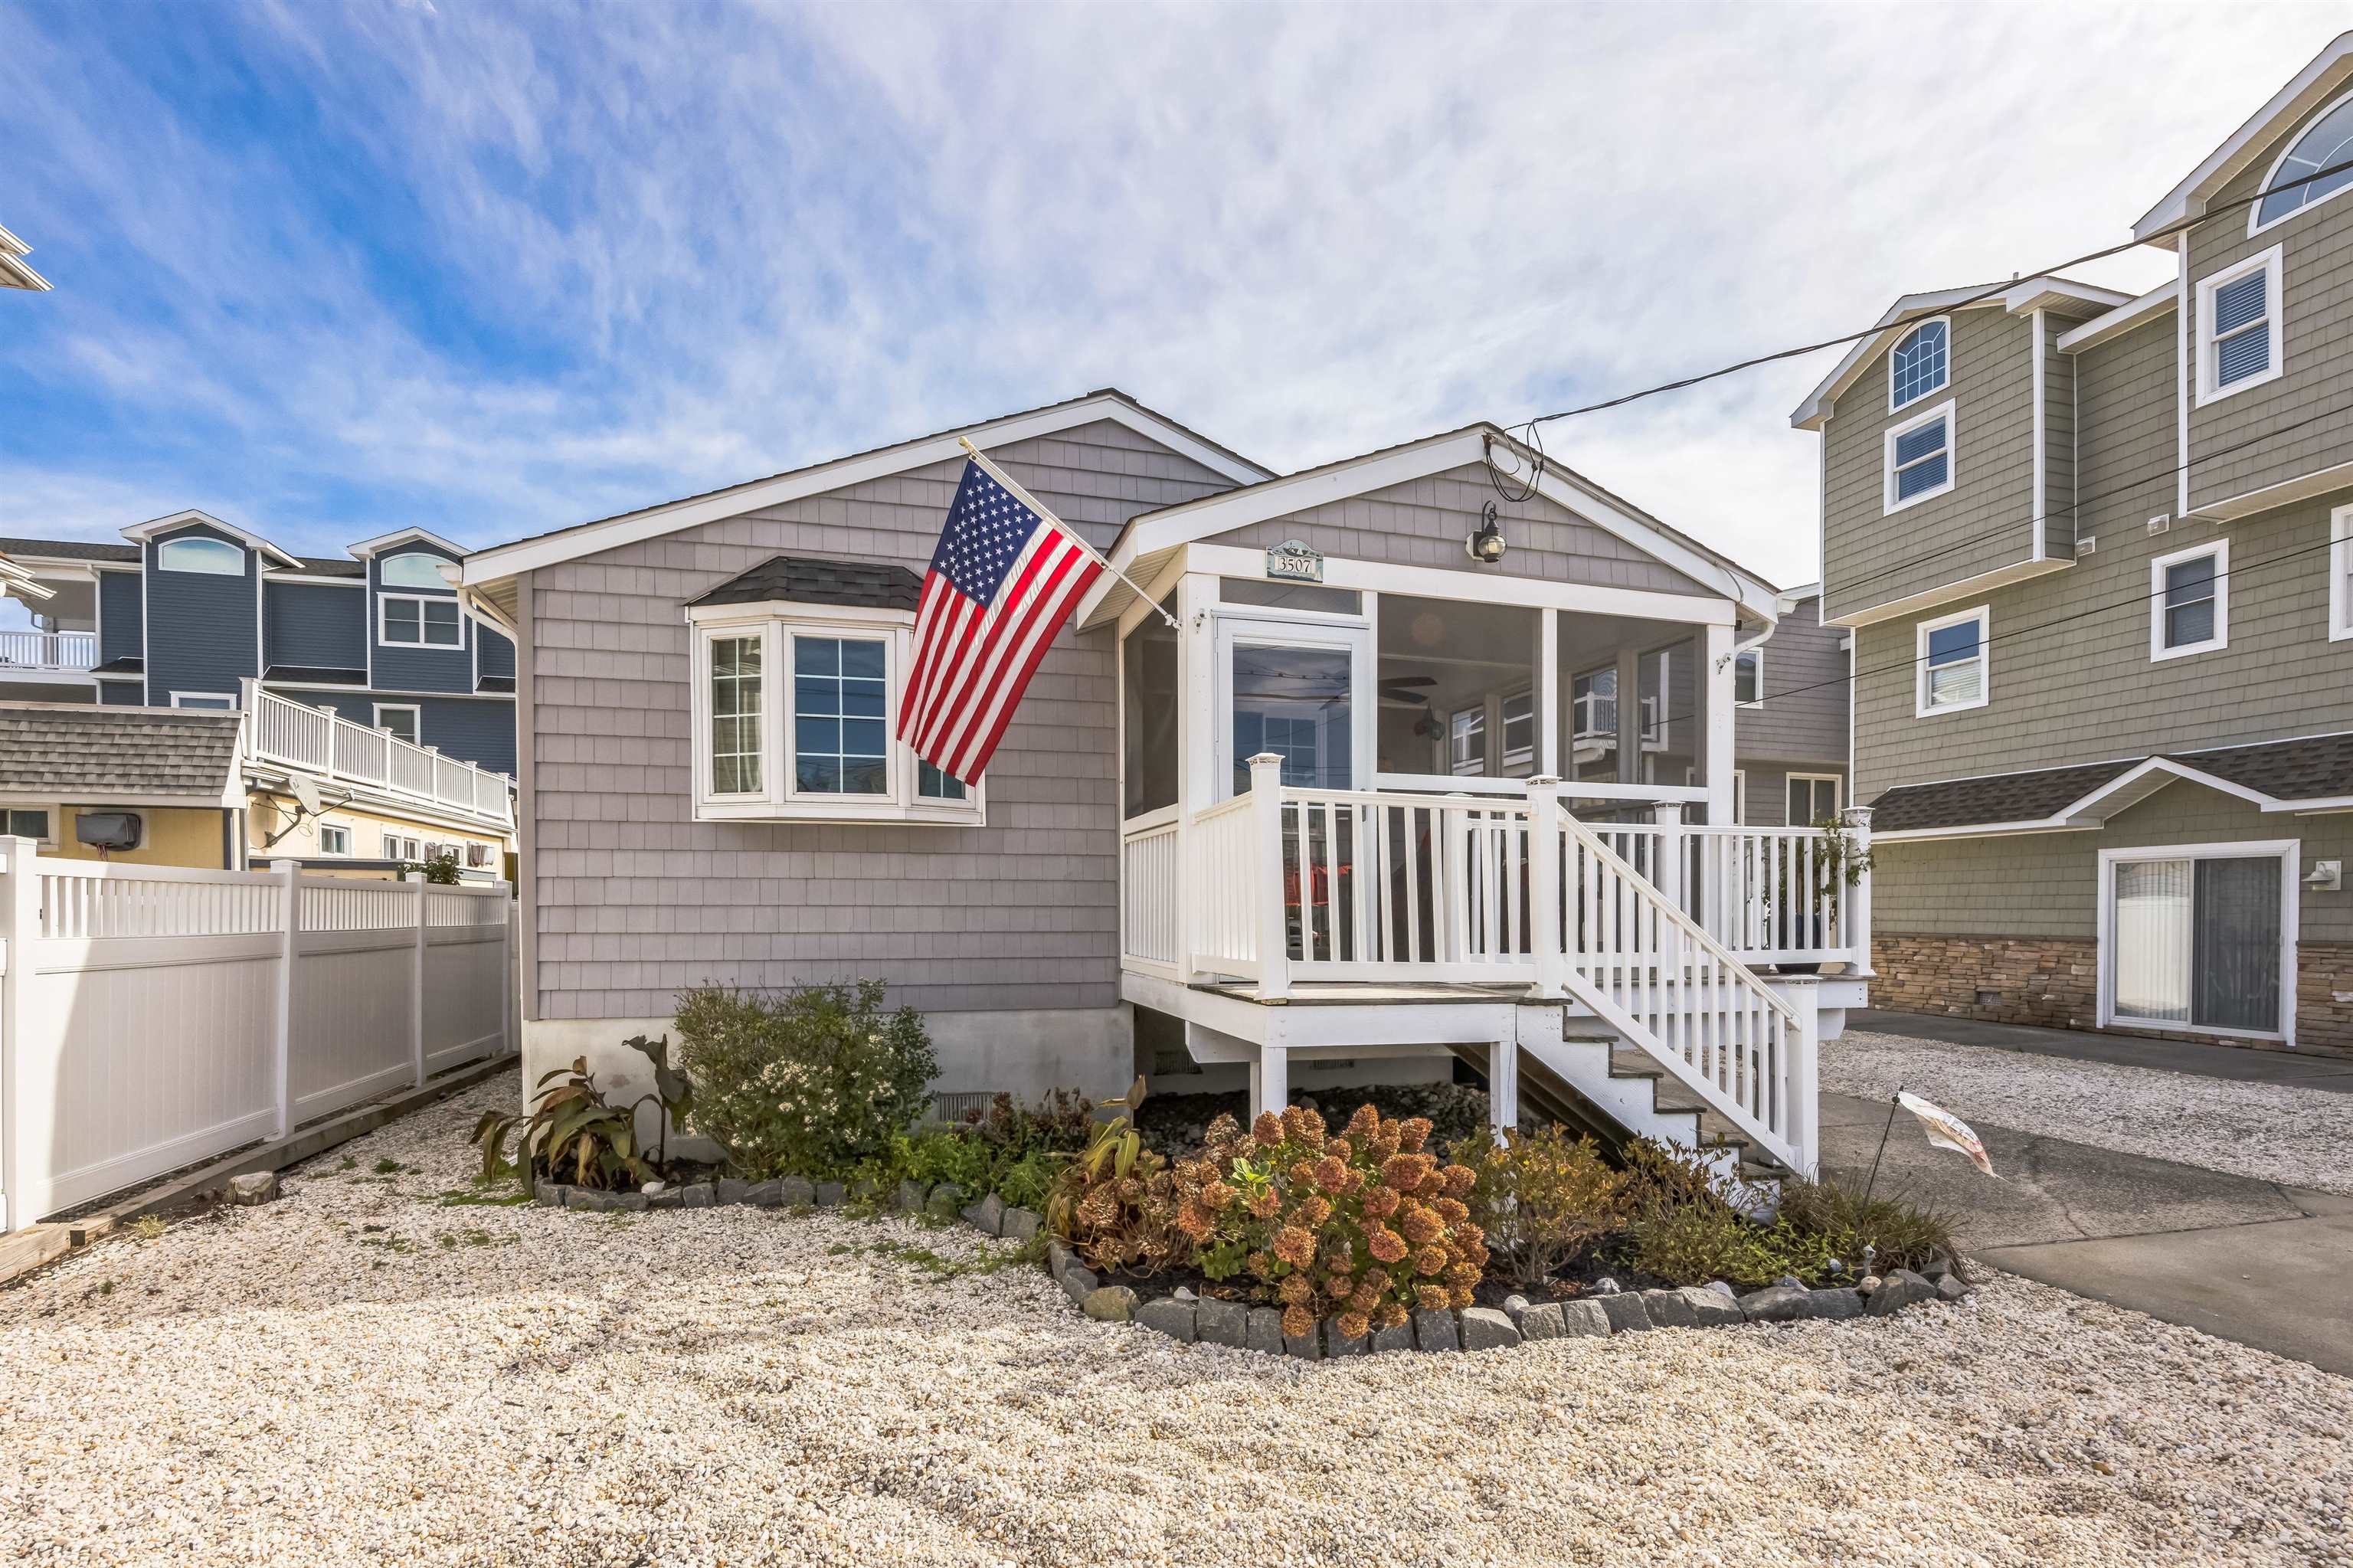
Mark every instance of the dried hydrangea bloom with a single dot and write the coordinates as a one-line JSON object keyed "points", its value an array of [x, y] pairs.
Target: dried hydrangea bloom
{"points": [[1433, 1298], [1460, 1180], [1303, 1125], [1268, 1128], [1219, 1196], [1462, 1276], [1303, 1173], [1364, 1123], [1412, 1133], [1329, 1172], [1341, 1148], [1378, 1280], [1385, 1244], [1224, 1131], [1430, 1260], [1267, 1205], [1364, 1299], [1316, 1210], [1195, 1220], [1392, 1316], [1298, 1322], [1380, 1202], [1339, 1256], [1353, 1325], [1464, 1296], [1261, 1263], [1405, 1171], [1296, 1246], [1295, 1289], [1419, 1225], [1451, 1211], [1468, 1235]]}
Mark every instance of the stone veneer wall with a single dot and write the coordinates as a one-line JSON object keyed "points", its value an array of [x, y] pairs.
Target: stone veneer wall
{"points": [[2053, 982]]}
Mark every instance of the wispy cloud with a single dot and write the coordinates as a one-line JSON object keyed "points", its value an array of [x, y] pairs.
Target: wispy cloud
{"points": [[500, 268]]}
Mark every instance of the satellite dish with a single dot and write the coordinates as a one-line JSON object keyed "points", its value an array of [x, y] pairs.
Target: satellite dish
{"points": [[306, 794]]}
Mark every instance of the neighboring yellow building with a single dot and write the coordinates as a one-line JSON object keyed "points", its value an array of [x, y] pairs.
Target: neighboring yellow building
{"points": [[188, 787]]}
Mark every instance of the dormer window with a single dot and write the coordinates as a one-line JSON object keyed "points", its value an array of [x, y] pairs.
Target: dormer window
{"points": [[1920, 365], [412, 571], [2327, 146], [214, 556]]}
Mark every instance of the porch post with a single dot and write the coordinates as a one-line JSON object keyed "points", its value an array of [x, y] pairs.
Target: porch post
{"points": [[1629, 716], [1714, 688], [1857, 898], [1270, 1079], [1801, 1079], [1548, 693], [1503, 1085], [1544, 903], [1273, 924]]}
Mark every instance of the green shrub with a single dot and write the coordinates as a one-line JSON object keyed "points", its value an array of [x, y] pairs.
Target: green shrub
{"points": [[935, 1156], [1028, 1182], [812, 1083], [1835, 1223], [1542, 1197]]}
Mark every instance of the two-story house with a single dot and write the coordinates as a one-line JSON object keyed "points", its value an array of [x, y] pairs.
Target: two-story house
{"points": [[368, 675], [2094, 551]]}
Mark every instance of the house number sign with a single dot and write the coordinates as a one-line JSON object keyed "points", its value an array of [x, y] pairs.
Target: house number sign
{"points": [[1292, 562]]}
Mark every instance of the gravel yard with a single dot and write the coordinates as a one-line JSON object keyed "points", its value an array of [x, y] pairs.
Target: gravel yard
{"points": [[359, 1374], [2301, 1137]]}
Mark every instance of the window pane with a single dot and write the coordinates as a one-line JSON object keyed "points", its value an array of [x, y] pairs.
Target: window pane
{"points": [[934, 785], [1920, 362], [1297, 703], [1441, 658], [1148, 708], [2247, 353], [1950, 683], [1469, 751], [840, 743], [214, 556], [29, 824], [2189, 601], [401, 621], [736, 725], [1913, 445], [2325, 146], [401, 722], [412, 571], [2152, 939], [1920, 477], [2235, 959], [441, 626], [1745, 679], [1519, 729], [1948, 644], [2239, 301]]}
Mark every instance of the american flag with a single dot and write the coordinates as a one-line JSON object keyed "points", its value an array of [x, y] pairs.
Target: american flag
{"points": [[1006, 573]]}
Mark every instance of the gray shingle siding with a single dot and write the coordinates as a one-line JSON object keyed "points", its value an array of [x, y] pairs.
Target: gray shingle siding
{"points": [[637, 901], [1803, 719], [201, 628], [119, 623], [1985, 522], [312, 625], [2057, 501]]}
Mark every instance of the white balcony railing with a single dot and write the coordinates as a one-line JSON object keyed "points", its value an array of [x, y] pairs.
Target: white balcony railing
{"points": [[319, 741], [49, 651]]}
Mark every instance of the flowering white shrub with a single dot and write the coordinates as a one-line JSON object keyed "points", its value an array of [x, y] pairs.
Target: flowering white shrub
{"points": [[807, 1084]]}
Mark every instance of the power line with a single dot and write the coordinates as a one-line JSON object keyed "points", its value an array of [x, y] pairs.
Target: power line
{"points": [[2168, 232]]}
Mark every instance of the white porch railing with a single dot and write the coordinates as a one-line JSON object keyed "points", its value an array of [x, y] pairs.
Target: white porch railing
{"points": [[318, 740], [49, 650], [1656, 927]]}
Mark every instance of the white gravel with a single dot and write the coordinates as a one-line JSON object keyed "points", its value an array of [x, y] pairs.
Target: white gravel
{"points": [[519, 1385], [2301, 1137]]}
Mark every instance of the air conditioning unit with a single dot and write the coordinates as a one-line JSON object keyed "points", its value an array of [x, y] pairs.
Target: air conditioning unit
{"points": [[2087, 544], [2161, 524], [107, 830]]}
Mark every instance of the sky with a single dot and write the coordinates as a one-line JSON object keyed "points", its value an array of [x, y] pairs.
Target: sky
{"points": [[326, 270]]}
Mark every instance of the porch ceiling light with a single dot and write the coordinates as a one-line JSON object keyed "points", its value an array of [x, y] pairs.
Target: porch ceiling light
{"points": [[1486, 546]]}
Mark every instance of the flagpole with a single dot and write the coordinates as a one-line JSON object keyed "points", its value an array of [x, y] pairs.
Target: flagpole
{"points": [[1893, 1101], [1039, 507]]}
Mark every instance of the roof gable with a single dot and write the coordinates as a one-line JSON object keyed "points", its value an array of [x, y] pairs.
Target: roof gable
{"points": [[141, 533], [812, 579], [2306, 90]]}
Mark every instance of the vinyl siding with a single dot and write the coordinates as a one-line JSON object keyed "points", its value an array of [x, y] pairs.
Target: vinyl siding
{"points": [[1423, 522], [202, 631], [2125, 447], [314, 626], [1804, 718], [402, 668], [119, 595], [2058, 441], [1984, 522], [2047, 885], [2317, 288], [119, 694], [2085, 689], [496, 655], [636, 901]]}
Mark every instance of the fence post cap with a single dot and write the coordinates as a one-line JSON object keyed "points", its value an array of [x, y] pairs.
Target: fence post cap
{"points": [[284, 864]]}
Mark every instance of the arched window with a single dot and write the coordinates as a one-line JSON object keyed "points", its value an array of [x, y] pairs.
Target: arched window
{"points": [[413, 571], [2329, 144], [1918, 365], [200, 555]]}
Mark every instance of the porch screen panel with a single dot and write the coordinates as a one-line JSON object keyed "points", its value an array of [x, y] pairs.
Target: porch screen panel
{"points": [[2235, 961], [1458, 688], [1148, 700], [1297, 703], [2154, 900]]}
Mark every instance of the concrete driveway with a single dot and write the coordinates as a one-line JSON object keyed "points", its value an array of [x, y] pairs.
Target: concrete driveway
{"points": [[2253, 1261]]}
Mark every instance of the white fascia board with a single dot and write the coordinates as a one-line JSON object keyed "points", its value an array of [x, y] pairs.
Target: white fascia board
{"points": [[2113, 324], [2248, 143], [381, 542], [588, 539], [1495, 587], [1744, 588], [1946, 593], [140, 532], [2061, 295], [2287, 492], [1982, 830], [1815, 411]]}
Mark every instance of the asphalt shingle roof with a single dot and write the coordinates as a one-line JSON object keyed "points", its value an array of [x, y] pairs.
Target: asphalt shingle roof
{"points": [[59, 750], [811, 579], [2315, 767], [85, 550], [315, 675]]}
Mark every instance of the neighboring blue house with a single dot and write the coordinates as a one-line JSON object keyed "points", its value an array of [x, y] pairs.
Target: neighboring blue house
{"points": [[192, 606]]}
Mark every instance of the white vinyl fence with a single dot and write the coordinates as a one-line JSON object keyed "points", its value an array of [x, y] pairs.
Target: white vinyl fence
{"points": [[153, 1017]]}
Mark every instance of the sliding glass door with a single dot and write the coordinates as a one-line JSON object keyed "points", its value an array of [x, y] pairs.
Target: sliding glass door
{"points": [[2199, 940]]}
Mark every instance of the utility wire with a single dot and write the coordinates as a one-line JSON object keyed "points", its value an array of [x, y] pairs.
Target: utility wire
{"points": [[2168, 232]]}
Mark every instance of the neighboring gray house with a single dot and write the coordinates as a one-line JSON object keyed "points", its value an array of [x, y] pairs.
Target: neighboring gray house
{"points": [[1790, 737], [2094, 550], [1316, 829]]}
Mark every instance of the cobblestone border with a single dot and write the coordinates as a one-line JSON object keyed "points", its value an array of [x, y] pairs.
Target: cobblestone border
{"points": [[1193, 1320]]}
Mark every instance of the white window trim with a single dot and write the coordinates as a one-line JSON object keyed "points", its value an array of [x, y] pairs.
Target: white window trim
{"points": [[383, 600], [415, 710], [326, 828], [2220, 550], [179, 700], [48, 833], [162, 549], [1758, 655], [2289, 851], [2340, 561], [1889, 505], [1838, 793], [383, 566], [1983, 616], [394, 846], [778, 801], [1947, 323], [2271, 177], [2275, 313]]}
